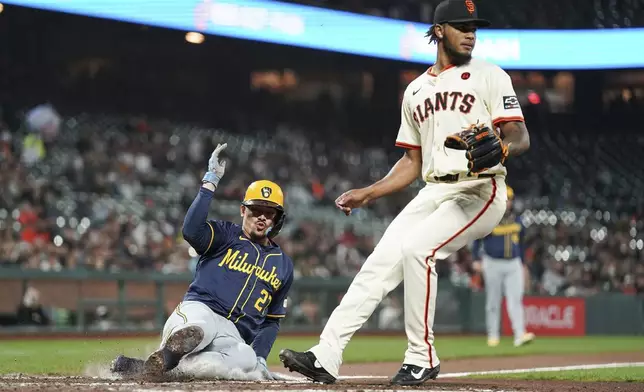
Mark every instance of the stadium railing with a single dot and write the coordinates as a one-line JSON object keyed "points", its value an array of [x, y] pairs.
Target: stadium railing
{"points": [[87, 301]]}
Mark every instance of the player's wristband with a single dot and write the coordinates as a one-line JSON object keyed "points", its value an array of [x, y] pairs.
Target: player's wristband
{"points": [[211, 178]]}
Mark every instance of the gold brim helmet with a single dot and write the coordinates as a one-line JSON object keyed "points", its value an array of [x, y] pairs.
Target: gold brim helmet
{"points": [[269, 194], [510, 193]]}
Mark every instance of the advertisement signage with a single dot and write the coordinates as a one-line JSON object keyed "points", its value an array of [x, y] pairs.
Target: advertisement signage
{"points": [[554, 316]]}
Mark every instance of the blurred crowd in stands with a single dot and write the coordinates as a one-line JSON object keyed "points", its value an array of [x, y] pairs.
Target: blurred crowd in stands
{"points": [[563, 14], [109, 194]]}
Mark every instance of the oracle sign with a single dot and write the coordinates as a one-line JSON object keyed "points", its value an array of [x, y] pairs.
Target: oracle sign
{"points": [[554, 316]]}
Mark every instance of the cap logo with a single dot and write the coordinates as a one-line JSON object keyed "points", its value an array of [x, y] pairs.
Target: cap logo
{"points": [[266, 192], [469, 4]]}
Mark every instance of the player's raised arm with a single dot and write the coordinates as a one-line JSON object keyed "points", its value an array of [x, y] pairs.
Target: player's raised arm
{"points": [[401, 175], [196, 229]]}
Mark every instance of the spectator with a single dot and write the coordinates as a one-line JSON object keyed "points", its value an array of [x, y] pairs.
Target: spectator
{"points": [[30, 311]]}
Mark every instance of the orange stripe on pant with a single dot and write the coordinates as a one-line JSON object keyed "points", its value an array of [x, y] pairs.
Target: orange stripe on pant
{"points": [[431, 256]]}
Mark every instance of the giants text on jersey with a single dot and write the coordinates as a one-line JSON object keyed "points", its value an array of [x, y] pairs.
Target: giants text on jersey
{"points": [[435, 106]]}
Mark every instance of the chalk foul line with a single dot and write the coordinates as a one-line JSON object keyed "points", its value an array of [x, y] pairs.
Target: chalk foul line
{"points": [[287, 377], [546, 369]]}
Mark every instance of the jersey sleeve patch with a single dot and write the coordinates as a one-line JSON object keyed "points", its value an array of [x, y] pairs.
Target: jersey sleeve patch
{"points": [[511, 102]]}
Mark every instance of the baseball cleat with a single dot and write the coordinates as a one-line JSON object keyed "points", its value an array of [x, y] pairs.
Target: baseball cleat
{"points": [[126, 366], [527, 337], [415, 375], [176, 347], [492, 342], [306, 364]]}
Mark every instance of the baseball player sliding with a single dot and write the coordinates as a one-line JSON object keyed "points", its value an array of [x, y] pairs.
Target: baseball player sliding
{"points": [[230, 315], [449, 121], [501, 252]]}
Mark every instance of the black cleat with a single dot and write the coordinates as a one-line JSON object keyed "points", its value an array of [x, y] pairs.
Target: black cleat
{"points": [[176, 347], [306, 364], [126, 366], [415, 375]]}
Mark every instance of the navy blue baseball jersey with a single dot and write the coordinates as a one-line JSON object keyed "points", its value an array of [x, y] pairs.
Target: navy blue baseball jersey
{"points": [[504, 242], [238, 279]]}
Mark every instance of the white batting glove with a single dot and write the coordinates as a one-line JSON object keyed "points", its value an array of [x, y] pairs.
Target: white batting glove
{"points": [[263, 367], [216, 168]]}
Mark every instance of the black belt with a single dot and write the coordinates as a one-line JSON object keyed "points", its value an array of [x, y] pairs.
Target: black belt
{"points": [[455, 177]]}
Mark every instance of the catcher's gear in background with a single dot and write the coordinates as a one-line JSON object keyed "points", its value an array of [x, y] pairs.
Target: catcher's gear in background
{"points": [[269, 194], [483, 147], [216, 168]]}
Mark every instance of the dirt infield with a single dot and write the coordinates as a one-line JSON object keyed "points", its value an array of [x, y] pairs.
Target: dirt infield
{"points": [[44, 384], [494, 363], [364, 377]]}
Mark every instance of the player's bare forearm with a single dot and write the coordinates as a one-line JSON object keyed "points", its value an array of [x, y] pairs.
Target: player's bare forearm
{"points": [[516, 137], [401, 175]]}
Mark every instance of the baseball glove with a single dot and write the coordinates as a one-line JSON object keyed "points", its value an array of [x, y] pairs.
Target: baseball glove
{"points": [[484, 147]]}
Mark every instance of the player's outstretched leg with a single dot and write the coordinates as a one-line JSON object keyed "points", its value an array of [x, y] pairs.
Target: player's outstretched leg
{"points": [[179, 344], [469, 211], [126, 366], [380, 274], [306, 364]]}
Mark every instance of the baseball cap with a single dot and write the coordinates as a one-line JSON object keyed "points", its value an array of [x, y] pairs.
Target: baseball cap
{"points": [[458, 11]]}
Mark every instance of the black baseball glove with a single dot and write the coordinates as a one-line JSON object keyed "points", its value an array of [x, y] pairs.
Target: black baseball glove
{"points": [[484, 147]]}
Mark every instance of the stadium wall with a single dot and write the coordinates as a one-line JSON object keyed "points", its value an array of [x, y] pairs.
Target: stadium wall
{"points": [[98, 303]]}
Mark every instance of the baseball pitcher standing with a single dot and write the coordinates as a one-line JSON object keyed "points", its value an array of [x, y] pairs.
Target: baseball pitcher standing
{"points": [[501, 253], [230, 315], [460, 121]]}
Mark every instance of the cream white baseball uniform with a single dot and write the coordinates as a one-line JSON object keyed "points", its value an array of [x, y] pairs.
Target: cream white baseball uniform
{"points": [[441, 219]]}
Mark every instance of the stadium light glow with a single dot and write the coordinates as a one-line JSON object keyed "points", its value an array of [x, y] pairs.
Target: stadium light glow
{"points": [[365, 35]]}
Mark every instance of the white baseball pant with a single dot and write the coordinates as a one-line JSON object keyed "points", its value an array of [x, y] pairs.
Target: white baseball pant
{"points": [[222, 353], [503, 277], [440, 220]]}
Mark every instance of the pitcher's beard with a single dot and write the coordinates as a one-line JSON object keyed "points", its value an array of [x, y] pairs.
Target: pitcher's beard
{"points": [[455, 57]]}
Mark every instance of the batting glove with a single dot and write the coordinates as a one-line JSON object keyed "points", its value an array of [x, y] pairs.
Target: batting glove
{"points": [[261, 365], [216, 168]]}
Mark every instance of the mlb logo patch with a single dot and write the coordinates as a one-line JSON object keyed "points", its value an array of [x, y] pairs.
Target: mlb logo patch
{"points": [[511, 102], [266, 192]]}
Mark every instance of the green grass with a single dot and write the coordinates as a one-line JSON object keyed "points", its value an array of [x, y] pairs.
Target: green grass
{"points": [[71, 356], [387, 349], [623, 374]]}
